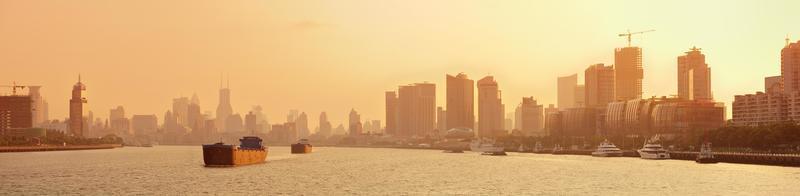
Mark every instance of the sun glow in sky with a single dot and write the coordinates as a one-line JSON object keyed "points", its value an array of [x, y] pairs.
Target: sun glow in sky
{"points": [[336, 55]]}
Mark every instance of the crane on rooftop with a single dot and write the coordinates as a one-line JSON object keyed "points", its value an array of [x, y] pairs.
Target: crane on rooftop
{"points": [[14, 88], [634, 33]]}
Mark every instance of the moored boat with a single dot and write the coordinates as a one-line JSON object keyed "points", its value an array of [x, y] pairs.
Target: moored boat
{"points": [[486, 147], [607, 149], [250, 151], [557, 149], [301, 147], [653, 150], [706, 155]]}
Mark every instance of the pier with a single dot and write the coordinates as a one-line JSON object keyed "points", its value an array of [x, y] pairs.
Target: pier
{"points": [[745, 157]]}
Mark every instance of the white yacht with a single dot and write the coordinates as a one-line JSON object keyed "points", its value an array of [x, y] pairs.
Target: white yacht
{"points": [[653, 150], [486, 146], [705, 155], [607, 149]]}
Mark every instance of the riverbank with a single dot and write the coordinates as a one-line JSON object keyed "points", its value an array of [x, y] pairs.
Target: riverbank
{"points": [[56, 148]]}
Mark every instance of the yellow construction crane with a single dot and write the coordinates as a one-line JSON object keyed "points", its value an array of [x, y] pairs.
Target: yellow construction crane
{"points": [[14, 88], [634, 33]]}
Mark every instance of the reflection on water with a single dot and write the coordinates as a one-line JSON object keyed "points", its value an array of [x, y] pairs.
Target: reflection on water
{"points": [[179, 170]]}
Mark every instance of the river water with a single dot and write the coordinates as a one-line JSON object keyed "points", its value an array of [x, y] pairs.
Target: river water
{"points": [[178, 170]]}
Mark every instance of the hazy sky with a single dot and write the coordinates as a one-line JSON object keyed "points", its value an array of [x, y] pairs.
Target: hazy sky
{"points": [[335, 55]]}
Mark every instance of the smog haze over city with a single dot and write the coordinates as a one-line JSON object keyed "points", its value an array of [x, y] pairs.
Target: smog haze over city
{"points": [[114, 89]]}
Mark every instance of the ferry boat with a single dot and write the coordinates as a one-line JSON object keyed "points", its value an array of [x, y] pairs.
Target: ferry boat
{"points": [[705, 155], [653, 150], [607, 149], [301, 147], [250, 151], [486, 147]]}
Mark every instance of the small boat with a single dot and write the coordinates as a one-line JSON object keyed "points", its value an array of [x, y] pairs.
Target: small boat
{"points": [[454, 151], [250, 151], [538, 148], [557, 149], [706, 155], [301, 147], [607, 149], [486, 147], [653, 150]]}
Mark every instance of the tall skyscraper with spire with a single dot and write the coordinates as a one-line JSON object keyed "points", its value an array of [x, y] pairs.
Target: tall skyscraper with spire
{"points": [[224, 109], [76, 108]]}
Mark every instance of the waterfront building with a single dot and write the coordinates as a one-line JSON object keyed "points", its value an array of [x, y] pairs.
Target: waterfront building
{"points": [[250, 124], [302, 126], [580, 95], [391, 113], [532, 117], [599, 85], [694, 76], [790, 67], [490, 108], [579, 122], [180, 109], [628, 73], [441, 119], [780, 102], [15, 113], [567, 86], [460, 102], [37, 105], [325, 128], [194, 116], [416, 109], [77, 105], [664, 116], [118, 122]]}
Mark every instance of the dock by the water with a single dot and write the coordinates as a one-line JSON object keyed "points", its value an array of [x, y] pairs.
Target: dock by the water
{"points": [[56, 148], [745, 157]]}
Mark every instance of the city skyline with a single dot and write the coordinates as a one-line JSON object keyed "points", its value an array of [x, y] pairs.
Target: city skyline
{"points": [[525, 63]]}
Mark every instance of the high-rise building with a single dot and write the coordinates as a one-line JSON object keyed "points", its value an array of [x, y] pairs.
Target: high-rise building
{"points": [[532, 117], [224, 109], [580, 95], [180, 109], [250, 125], [441, 119], [790, 67], [118, 121], [566, 91], [416, 110], [460, 102], [15, 112], [37, 104], [302, 125], [325, 128], [694, 76], [76, 108], [355, 123], [194, 117], [391, 113], [599, 85], [628, 73], [292, 116], [490, 108]]}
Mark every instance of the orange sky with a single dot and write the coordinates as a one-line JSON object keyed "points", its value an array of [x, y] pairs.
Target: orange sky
{"points": [[335, 55]]}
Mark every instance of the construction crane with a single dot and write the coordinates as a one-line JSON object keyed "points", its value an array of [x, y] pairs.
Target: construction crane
{"points": [[14, 88], [634, 33]]}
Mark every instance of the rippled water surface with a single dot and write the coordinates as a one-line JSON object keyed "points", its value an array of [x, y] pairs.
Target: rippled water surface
{"points": [[178, 170]]}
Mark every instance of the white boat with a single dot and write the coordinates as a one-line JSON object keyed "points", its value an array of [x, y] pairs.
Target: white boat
{"points": [[607, 149], [538, 148], [486, 146], [653, 150], [705, 155]]}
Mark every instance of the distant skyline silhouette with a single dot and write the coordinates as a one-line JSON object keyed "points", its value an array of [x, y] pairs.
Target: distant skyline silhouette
{"points": [[336, 56]]}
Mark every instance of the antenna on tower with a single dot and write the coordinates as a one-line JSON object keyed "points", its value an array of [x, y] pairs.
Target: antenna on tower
{"points": [[79, 78], [229, 81], [787, 39], [220, 80]]}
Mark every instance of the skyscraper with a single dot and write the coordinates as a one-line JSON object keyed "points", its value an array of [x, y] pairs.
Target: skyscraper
{"points": [[460, 102], [76, 108], [37, 104], [391, 113], [355, 123], [416, 109], [532, 117], [118, 121], [194, 116], [325, 127], [694, 76], [15, 112], [441, 119], [490, 108], [302, 126], [180, 109], [599, 85], [224, 109], [250, 125], [566, 91], [790, 67], [580, 95], [628, 73]]}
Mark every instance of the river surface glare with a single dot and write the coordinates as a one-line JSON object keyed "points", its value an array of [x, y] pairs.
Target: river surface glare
{"points": [[179, 170]]}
